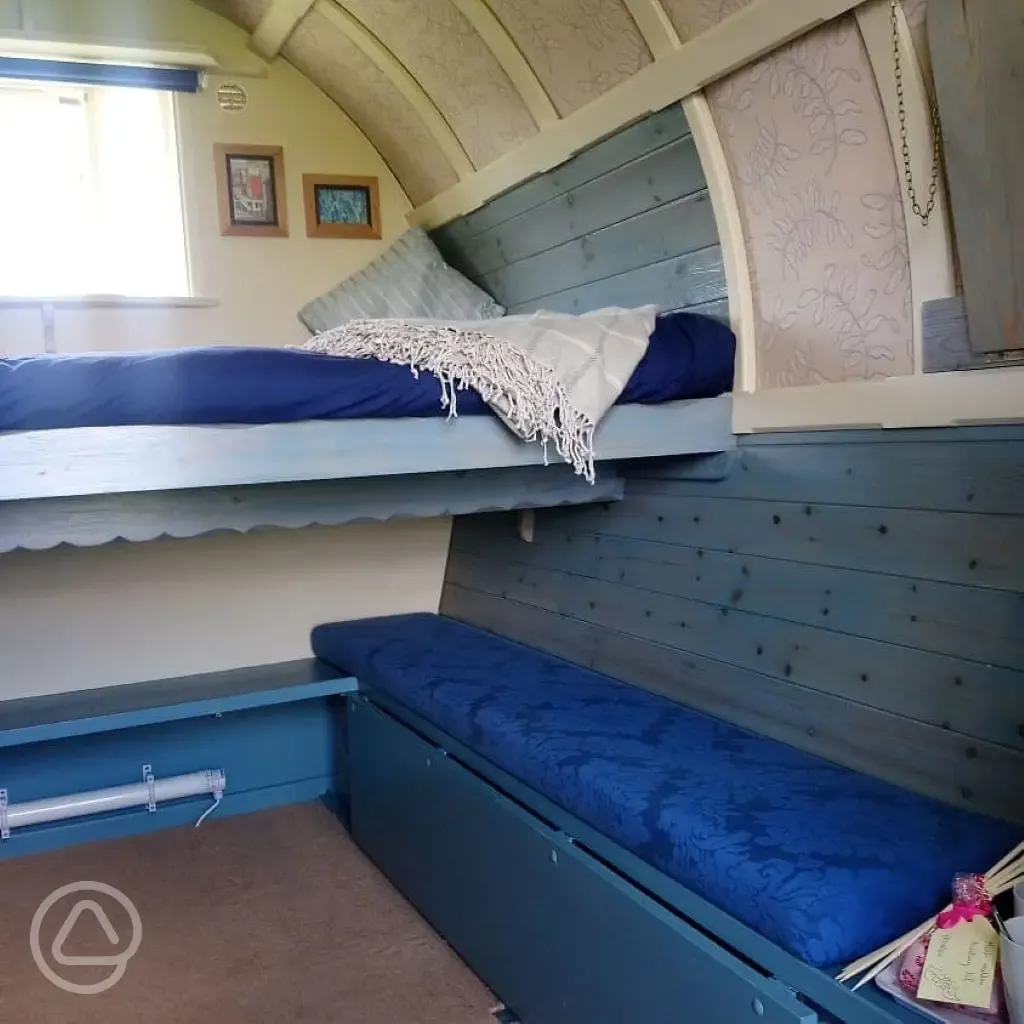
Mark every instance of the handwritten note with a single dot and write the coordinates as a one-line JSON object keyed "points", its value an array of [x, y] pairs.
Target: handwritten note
{"points": [[960, 965]]}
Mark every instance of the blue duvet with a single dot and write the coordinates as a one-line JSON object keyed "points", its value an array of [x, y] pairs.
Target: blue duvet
{"points": [[826, 862], [689, 356]]}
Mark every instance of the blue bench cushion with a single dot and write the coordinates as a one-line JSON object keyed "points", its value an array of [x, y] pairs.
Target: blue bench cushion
{"points": [[826, 862]]}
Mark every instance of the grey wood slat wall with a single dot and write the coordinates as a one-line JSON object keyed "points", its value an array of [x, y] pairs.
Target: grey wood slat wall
{"points": [[626, 222], [844, 598], [857, 594]]}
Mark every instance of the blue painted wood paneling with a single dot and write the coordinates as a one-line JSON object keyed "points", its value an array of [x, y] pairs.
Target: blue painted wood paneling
{"points": [[606, 156], [862, 598], [557, 935], [627, 222], [668, 230], [109, 708], [972, 549], [913, 473], [271, 755], [975, 624], [660, 178], [818, 987]]}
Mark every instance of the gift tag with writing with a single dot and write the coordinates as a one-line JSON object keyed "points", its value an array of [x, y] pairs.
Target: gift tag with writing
{"points": [[960, 965]]}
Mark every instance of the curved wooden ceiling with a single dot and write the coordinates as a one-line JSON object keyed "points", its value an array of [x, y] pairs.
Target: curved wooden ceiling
{"points": [[443, 88]]}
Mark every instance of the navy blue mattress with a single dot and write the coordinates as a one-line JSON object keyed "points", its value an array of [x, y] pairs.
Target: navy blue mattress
{"points": [[689, 356], [827, 863]]}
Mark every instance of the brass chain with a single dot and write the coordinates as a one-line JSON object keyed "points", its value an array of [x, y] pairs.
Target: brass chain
{"points": [[933, 186]]}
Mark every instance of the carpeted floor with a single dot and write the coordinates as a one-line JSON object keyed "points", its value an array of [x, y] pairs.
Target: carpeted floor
{"points": [[273, 917]]}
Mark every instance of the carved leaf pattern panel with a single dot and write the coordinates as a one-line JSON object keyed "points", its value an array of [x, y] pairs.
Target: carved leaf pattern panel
{"points": [[578, 49], [446, 55], [326, 55], [815, 175]]}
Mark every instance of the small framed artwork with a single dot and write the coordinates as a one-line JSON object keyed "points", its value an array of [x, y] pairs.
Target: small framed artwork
{"points": [[251, 191], [341, 206]]}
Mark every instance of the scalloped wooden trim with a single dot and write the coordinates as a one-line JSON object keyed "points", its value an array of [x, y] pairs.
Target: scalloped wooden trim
{"points": [[762, 26], [399, 75], [929, 249], [279, 21], [524, 79], [95, 520]]}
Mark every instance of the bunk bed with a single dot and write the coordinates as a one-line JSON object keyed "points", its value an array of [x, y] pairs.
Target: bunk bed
{"points": [[96, 447]]}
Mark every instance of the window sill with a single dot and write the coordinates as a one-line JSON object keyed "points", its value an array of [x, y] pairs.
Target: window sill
{"points": [[105, 301]]}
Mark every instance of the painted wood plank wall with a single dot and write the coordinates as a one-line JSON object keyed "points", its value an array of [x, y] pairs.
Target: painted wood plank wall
{"points": [[626, 222], [844, 598], [857, 594]]}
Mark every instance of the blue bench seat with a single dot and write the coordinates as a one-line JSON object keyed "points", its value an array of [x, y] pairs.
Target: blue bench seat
{"points": [[826, 862]]}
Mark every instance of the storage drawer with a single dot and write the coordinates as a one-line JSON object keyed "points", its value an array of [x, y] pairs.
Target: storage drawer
{"points": [[557, 935]]}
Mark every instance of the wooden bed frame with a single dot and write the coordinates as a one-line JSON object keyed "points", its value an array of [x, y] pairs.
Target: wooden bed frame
{"points": [[92, 485]]}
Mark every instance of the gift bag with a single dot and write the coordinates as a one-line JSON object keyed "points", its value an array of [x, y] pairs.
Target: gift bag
{"points": [[970, 906]]}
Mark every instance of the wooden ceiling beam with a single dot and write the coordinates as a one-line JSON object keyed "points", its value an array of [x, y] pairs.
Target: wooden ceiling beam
{"points": [[655, 26], [740, 39], [277, 24], [403, 81], [524, 79]]}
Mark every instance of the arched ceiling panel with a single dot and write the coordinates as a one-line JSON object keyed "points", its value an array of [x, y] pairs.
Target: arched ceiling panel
{"points": [[323, 53], [443, 51], [578, 48], [691, 17], [246, 13]]}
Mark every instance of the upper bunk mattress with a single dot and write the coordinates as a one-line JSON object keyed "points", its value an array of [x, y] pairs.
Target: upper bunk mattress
{"points": [[826, 862], [689, 356]]}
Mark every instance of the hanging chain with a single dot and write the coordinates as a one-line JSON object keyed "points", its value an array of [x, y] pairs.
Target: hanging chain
{"points": [[933, 186]]}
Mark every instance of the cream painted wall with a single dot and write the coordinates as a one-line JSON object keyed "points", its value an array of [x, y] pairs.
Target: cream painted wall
{"points": [[79, 618], [74, 619], [259, 284]]}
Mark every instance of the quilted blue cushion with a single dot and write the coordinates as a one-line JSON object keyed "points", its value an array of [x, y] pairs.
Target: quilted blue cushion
{"points": [[826, 862]]}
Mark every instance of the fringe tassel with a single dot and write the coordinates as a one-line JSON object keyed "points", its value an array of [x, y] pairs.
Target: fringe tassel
{"points": [[526, 394]]}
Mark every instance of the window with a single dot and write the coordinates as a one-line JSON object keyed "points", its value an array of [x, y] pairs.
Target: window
{"points": [[91, 192]]}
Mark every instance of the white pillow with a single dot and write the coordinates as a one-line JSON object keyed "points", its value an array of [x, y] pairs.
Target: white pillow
{"points": [[409, 279]]}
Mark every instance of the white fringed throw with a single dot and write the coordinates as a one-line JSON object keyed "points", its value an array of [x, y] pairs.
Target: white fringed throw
{"points": [[549, 377]]}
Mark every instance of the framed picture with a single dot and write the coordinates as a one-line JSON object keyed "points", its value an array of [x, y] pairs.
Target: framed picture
{"points": [[341, 206], [250, 190]]}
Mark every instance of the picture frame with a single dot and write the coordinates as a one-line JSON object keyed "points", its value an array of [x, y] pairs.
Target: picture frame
{"points": [[341, 206], [251, 195]]}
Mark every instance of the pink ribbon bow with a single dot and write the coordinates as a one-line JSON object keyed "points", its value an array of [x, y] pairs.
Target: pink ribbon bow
{"points": [[969, 900]]}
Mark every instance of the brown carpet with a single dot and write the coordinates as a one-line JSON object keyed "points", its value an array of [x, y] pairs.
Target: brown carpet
{"points": [[273, 917]]}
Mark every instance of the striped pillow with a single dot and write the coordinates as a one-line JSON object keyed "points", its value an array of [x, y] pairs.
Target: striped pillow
{"points": [[409, 279]]}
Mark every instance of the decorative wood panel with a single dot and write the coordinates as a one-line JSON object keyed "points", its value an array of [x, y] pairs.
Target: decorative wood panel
{"points": [[87, 521], [628, 221], [859, 597]]}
